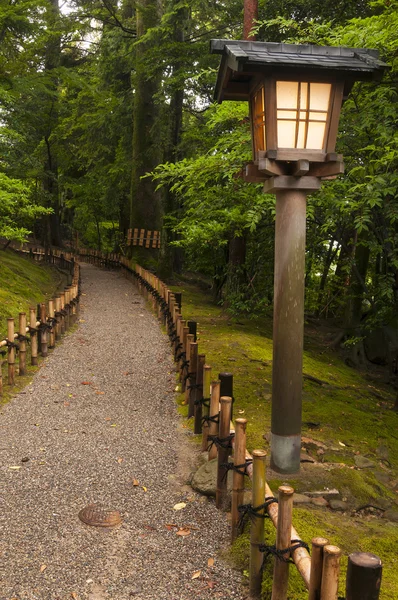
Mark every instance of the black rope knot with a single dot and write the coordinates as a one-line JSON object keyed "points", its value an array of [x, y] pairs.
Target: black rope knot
{"points": [[22, 338], [11, 344], [32, 330], [45, 326], [225, 443], [188, 375], [211, 419], [241, 469], [283, 554], [248, 511]]}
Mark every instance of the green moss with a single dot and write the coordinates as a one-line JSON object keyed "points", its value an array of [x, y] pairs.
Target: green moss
{"points": [[23, 283], [354, 416]]}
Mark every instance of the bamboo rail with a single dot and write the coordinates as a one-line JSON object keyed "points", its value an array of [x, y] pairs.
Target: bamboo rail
{"points": [[320, 573], [44, 327]]}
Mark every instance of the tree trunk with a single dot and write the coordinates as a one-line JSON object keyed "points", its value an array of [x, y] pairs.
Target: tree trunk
{"points": [[145, 202]]}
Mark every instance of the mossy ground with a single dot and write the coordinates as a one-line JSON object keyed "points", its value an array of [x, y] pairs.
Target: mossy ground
{"points": [[23, 283], [353, 415]]}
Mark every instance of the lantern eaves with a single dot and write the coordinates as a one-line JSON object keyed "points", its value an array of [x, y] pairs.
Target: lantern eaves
{"points": [[243, 61]]}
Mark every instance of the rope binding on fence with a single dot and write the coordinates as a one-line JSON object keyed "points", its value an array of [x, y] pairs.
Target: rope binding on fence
{"points": [[284, 554]]}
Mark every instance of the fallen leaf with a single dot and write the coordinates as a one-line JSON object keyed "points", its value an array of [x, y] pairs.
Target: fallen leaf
{"points": [[136, 482], [149, 527], [14, 468], [120, 460], [341, 444], [66, 403], [108, 419], [211, 584], [127, 373], [43, 568], [179, 506], [114, 425], [183, 531], [87, 383], [70, 395], [144, 488], [74, 596], [210, 562], [170, 526], [196, 574], [99, 393]]}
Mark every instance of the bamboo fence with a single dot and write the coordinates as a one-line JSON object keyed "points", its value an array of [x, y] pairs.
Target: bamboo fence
{"points": [[210, 404], [42, 328]]}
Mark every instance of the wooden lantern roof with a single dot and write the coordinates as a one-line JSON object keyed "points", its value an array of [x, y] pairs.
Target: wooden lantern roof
{"points": [[244, 62]]}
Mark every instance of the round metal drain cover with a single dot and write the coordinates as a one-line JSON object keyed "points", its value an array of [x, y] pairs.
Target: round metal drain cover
{"points": [[98, 516]]}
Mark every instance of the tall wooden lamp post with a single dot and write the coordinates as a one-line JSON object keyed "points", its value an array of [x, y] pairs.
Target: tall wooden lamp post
{"points": [[295, 95]]}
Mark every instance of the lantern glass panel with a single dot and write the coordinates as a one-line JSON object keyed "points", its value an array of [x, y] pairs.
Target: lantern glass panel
{"points": [[302, 112], [258, 119]]}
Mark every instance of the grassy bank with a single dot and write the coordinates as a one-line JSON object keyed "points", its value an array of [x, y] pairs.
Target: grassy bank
{"points": [[347, 415], [23, 283]]}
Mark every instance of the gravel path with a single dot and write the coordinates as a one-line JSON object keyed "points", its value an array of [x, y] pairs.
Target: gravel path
{"points": [[77, 444]]}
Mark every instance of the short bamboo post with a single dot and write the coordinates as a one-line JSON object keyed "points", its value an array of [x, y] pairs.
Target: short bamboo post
{"points": [[189, 339], [283, 541], [39, 333], [363, 576], [33, 337], [67, 308], [227, 387], [190, 377], [318, 545], [1, 377], [185, 333], [206, 405], [330, 572], [11, 352], [224, 451], [257, 525], [198, 396], [43, 330], [58, 317], [238, 481], [51, 314], [192, 328], [63, 313], [214, 416], [22, 344]]}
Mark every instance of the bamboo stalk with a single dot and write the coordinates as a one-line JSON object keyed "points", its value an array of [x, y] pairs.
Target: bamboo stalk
{"points": [[198, 396], [43, 331], [186, 340], [318, 545], [257, 525], [191, 380], [227, 387], [58, 317], [11, 352], [51, 315], [222, 496], [206, 405], [363, 576], [215, 413], [238, 481], [62, 295], [22, 344], [330, 572], [283, 541], [33, 337], [67, 308]]}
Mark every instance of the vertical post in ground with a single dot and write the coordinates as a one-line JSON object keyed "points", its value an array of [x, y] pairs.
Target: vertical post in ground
{"points": [[51, 316], [238, 481], [33, 337], [224, 451], [58, 317], [283, 539], [206, 405], [257, 525], [190, 377], [227, 387], [189, 339], [22, 344], [43, 330], [198, 395], [288, 331], [318, 545], [63, 312], [214, 416], [363, 576], [11, 352], [330, 572]]}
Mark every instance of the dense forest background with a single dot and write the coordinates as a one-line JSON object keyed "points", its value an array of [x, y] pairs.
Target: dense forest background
{"points": [[95, 95]]}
